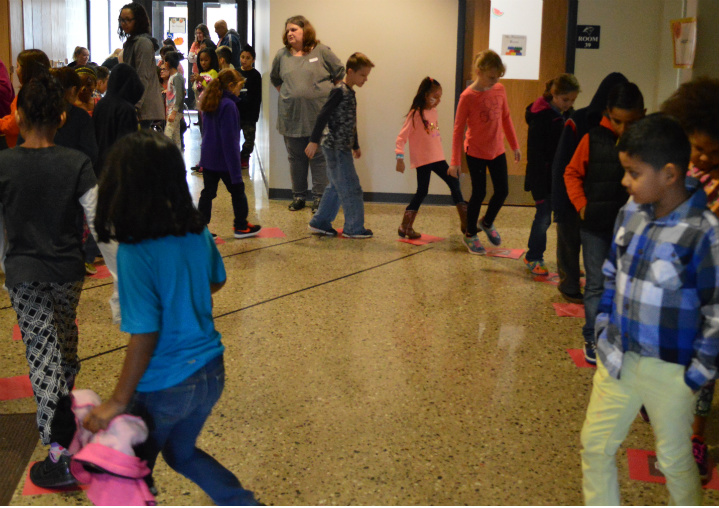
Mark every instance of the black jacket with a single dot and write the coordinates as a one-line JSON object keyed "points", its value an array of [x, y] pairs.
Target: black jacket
{"points": [[574, 130], [545, 127], [114, 114]]}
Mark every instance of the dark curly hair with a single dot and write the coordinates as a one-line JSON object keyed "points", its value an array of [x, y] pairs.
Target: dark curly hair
{"points": [[696, 106], [135, 204], [41, 102], [142, 21]]}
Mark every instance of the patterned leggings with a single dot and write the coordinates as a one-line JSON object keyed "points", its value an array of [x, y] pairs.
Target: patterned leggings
{"points": [[46, 315]]}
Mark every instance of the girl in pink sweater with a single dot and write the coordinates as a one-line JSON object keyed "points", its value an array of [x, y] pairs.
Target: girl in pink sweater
{"points": [[421, 129], [483, 110]]}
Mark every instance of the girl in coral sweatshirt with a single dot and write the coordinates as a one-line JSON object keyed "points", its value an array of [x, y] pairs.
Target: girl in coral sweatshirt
{"points": [[421, 129], [484, 111]]}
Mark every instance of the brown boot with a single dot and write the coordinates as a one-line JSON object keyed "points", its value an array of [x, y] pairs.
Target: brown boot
{"points": [[405, 230], [462, 211]]}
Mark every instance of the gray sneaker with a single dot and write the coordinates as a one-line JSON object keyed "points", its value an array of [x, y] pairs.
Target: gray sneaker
{"points": [[365, 233], [474, 246]]}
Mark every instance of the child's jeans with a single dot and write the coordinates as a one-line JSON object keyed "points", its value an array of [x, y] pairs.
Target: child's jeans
{"points": [[595, 249], [613, 407], [537, 243], [343, 189], [175, 416]]}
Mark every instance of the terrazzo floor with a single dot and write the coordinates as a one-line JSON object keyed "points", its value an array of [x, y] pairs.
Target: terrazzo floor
{"points": [[374, 372]]}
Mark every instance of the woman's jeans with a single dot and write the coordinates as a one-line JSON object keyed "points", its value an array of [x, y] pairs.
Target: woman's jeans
{"points": [[236, 190], [500, 181], [423, 175], [538, 234], [175, 416], [344, 189], [299, 165]]}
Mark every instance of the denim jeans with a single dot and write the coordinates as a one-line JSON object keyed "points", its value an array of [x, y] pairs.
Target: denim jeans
{"points": [[595, 248], [299, 164], [569, 246], [344, 189], [538, 234], [175, 416], [236, 190]]}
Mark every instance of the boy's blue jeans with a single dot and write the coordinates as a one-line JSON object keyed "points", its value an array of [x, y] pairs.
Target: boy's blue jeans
{"points": [[343, 189], [595, 249], [175, 417], [538, 234]]}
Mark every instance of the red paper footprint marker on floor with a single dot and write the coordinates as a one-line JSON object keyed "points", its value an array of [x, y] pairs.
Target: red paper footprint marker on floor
{"points": [[102, 273], [219, 241], [569, 309], [577, 356], [505, 253], [550, 278], [16, 334], [644, 468], [30, 489], [17, 387], [271, 233], [422, 240]]}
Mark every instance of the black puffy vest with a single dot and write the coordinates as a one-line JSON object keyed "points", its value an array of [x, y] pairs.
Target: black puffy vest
{"points": [[603, 181]]}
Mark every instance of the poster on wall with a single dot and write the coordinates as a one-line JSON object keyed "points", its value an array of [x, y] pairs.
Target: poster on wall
{"points": [[520, 53], [178, 25], [684, 37]]}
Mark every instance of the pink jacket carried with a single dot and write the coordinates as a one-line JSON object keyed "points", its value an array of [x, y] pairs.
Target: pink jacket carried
{"points": [[106, 460]]}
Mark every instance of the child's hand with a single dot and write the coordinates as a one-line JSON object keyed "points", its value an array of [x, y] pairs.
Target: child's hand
{"points": [[400, 166], [453, 171], [101, 416], [357, 153], [311, 149], [517, 155]]}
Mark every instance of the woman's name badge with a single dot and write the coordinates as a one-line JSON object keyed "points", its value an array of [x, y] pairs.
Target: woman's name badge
{"points": [[314, 59]]}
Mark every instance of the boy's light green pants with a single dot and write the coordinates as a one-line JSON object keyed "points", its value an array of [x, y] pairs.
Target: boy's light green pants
{"points": [[614, 405]]}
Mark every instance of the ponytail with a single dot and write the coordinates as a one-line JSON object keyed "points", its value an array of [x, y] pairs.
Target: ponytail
{"points": [[419, 103], [210, 100], [562, 84]]}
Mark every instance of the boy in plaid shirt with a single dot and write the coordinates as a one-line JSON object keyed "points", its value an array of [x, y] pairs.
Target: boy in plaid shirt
{"points": [[657, 328]]}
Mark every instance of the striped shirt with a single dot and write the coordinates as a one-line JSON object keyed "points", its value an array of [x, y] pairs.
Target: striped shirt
{"points": [[661, 291]]}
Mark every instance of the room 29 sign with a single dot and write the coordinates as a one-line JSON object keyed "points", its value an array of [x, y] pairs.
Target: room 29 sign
{"points": [[588, 36]]}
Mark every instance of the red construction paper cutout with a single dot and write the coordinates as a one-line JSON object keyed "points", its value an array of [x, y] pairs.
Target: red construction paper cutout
{"points": [[17, 387], [219, 241], [422, 240], [644, 468], [569, 309], [551, 278], [271, 233], [30, 489], [499, 252], [102, 273], [577, 356]]}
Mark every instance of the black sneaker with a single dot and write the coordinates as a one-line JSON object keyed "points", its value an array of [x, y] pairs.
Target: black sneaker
{"points": [[325, 232], [590, 353], [365, 233], [297, 204], [250, 230], [315, 204], [50, 475]]}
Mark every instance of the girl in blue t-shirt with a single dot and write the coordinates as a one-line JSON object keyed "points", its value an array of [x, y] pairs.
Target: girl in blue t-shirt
{"points": [[168, 268]]}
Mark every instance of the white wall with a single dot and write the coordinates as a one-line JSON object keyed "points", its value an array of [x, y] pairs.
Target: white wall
{"points": [[635, 40], [406, 40]]}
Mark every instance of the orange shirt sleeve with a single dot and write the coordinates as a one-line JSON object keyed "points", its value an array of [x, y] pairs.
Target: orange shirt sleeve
{"points": [[575, 172], [8, 125], [460, 124]]}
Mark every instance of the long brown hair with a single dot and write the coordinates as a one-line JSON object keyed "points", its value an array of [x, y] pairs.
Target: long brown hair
{"points": [[212, 95], [309, 36]]}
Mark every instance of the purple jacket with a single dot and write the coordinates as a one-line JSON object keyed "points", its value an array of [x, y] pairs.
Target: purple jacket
{"points": [[220, 150]]}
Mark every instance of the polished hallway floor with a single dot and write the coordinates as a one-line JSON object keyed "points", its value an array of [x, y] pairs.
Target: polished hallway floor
{"points": [[374, 372]]}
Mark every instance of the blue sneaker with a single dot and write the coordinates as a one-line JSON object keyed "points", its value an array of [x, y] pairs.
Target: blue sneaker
{"points": [[474, 246], [324, 232], [590, 353], [491, 232]]}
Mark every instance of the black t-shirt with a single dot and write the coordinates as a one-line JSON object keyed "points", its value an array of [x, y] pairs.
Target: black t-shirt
{"points": [[39, 193], [251, 99]]}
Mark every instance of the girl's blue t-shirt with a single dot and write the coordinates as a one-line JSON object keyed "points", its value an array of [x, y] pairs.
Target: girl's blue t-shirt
{"points": [[164, 287]]}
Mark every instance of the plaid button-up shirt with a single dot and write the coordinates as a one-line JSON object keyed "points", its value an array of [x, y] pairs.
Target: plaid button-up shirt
{"points": [[661, 292]]}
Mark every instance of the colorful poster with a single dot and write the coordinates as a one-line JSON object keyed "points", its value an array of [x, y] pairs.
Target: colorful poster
{"points": [[684, 36], [514, 45], [520, 53]]}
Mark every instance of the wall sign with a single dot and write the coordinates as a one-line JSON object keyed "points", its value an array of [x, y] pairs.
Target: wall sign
{"points": [[684, 36], [588, 36], [178, 25], [515, 33]]}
